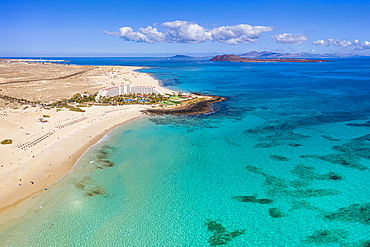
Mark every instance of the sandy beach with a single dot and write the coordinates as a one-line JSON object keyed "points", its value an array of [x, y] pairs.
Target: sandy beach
{"points": [[43, 152]]}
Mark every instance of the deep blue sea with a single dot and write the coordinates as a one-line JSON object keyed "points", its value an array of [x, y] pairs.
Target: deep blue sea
{"points": [[284, 161]]}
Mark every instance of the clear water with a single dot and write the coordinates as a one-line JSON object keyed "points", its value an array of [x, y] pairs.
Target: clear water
{"points": [[283, 162]]}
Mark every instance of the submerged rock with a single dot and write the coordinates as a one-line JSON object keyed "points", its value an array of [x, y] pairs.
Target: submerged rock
{"points": [[101, 160], [341, 159], [330, 138], [266, 145], [276, 213], [278, 157], [326, 236], [220, 235], [90, 187], [252, 199], [366, 124], [354, 213], [302, 204], [254, 169], [294, 144], [308, 172], [308, 192]]}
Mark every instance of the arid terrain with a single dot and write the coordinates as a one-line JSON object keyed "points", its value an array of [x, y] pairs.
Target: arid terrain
{"points": [[50, 82]]}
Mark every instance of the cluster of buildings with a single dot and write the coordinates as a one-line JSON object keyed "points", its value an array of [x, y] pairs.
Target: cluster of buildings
{"points": [[126, 89]]}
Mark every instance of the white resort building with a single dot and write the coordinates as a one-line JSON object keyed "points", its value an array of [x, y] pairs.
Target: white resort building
{"points": [[126, 89]]}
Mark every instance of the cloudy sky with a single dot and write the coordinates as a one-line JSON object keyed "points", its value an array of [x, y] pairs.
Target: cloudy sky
{"points": [[201, 27]]}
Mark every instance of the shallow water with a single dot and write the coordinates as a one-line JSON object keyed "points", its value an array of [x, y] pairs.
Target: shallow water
{"points": [[283, 162]]}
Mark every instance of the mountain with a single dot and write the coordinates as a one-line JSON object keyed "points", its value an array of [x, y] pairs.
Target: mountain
{"points": [[235, 58], [269, 54]]}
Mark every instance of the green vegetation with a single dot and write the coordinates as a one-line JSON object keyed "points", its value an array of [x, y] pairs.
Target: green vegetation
{"points": [[76, 109], [6, 141], [21, 101], [45, 116]]}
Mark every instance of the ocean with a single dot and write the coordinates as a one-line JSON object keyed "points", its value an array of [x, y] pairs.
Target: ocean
{"points": [[284, 161]]}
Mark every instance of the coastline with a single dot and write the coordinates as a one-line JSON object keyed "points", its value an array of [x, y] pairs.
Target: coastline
{"points": [[42, 153], [65, 136], [68, 166], [62, 154]]}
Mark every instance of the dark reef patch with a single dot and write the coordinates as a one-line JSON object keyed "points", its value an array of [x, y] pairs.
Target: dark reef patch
{"points": [[220, 235], [266, 145], [350, 153], [276, 186], [278, 157], [275, 134], [296, 205], [366, 124], [254, 169], [326, 236], [308, 172], [330, 138], [252, 199], [346, 160], [362, 243], [276, 213], [359, 147], [232, 143], [294, 144], [101, 159], [90, 187], [309, 192], [354, 213]]}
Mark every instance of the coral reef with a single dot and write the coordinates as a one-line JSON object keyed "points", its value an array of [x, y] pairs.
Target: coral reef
{"points": [[220, 235], [308, 172], [101, 160], [278, 157], [252, 199], [326, 236], [366, 124], [347, 160], [354, 213], [90, 187], [276, 213]]}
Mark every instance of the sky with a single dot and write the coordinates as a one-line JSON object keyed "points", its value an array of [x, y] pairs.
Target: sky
{"points": [[192, 27]]}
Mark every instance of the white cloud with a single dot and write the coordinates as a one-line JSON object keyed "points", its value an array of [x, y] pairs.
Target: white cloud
{"points": [[288, 38], [127, 33], [357, 45], [241, 33], [321, 42], [334, 42], [363, 46], [152, 34], [187, 32]]}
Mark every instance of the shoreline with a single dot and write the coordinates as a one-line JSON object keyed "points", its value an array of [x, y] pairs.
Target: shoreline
{"points": [[42, 153], [74, 145], [71, 164], [66, 136]]}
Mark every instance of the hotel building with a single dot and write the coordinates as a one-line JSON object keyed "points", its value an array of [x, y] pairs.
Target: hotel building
{"points": [[126, 89]]}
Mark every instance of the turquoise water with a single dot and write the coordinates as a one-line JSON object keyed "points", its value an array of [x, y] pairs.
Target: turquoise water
{"points": [[283, 162]]}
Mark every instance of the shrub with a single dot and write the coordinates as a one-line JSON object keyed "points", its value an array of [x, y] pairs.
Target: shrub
{"points": [[6, 141]]}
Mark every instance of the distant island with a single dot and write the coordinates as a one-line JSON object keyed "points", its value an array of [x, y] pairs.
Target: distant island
{"points": [[181, 56], [235, 58], [271, 54]]}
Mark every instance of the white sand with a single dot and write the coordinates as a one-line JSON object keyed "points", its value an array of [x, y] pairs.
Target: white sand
{"points": [[41, 153]]}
